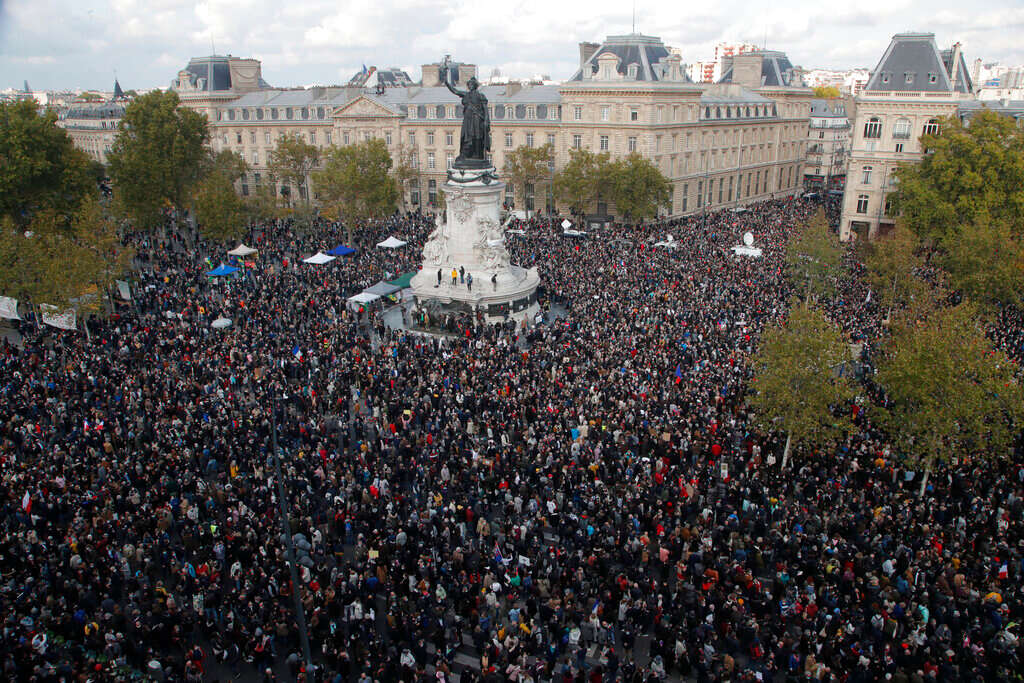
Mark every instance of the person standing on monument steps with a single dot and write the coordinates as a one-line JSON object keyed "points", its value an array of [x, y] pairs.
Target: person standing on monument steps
{"points": [[439, 274], [469, 281], [462, 273], [455, 277]]}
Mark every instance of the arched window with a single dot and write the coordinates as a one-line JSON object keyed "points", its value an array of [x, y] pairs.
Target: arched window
{"points": [[873, 128], [901, 131], [932, 127], [245, 114], [718, 112], [259, 114]]}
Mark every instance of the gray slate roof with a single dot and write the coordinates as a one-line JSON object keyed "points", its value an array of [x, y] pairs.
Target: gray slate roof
{"points": [[828, 109], [776, 70], [913, 63], [214, 72], [633, 48]]}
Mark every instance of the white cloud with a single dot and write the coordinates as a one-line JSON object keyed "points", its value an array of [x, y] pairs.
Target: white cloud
{"points": [[68, 43]]}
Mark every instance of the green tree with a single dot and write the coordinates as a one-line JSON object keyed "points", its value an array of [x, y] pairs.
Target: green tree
{"points": [[404, 171], [291, 162], [54, 260], [798, 382], [826, 92], [39, 166], [356, 178], [949, 391], [219, 210], [814, 258], [585, 179], [986, 263], [528, 166], [157, 156], [973, 175], [639, 189], [890, 262]]}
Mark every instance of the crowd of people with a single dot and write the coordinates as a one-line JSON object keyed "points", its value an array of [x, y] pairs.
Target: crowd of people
{"points": [[586, 502]]}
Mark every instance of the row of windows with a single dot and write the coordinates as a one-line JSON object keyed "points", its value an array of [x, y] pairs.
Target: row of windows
{"points": [[523, 112], [901, 129], [272, 114], [679, 113]]}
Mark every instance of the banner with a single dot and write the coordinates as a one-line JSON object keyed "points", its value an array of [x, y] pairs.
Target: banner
{"points": [[56, 318], [123, 290], [9, 308]]}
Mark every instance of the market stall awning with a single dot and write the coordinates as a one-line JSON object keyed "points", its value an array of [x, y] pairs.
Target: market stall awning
{"points": [[391, 243], [382, 289], [318, 259], [341, 250], [222, 270], [403, 281], [242, 250]]}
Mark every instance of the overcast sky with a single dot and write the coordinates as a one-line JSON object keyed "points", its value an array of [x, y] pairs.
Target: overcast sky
{"points": [[80, 44]]}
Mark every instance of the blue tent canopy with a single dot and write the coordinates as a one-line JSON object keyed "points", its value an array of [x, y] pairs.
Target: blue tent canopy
{"points": [[341, 250], [221, 270]]}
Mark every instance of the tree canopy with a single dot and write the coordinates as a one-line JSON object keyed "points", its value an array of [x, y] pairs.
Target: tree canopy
{"points": [[357, 179], [291, 162], [157, 156], [949, 392], [40, 168], [986, 263], [639, 189], [814, 258], [797, 381], [587, 177], [973, 174], [528, 166], [826, 92]]}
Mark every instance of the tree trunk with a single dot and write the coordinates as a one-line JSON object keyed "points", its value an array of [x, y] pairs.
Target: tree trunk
{"points": [[785, 453]]}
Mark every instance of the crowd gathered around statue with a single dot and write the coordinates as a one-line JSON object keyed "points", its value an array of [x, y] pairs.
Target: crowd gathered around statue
{"points": [[586, 500]]}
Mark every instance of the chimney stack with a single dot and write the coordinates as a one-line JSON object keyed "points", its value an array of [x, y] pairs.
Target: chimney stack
{"points": [[587, 51]]}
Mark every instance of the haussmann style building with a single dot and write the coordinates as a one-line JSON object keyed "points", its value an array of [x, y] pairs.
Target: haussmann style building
{"points": [[720, 144]]}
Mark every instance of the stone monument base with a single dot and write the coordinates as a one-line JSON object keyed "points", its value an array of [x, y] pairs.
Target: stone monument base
{"points": [[472, 241]]}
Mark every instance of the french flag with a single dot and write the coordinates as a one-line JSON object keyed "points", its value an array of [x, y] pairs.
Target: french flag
{"points": [[26, 503]]}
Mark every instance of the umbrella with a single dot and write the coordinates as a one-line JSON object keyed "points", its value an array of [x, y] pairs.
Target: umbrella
{"points": [[221, 323]]}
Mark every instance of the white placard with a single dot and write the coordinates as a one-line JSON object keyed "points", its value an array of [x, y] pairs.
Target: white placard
{"points": [[54, 317], [9, 308], [566, 224]]}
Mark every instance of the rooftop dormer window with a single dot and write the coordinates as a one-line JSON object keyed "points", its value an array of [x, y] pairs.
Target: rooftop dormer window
{"points": [[933, 78], [908, 77], [885, 77]]}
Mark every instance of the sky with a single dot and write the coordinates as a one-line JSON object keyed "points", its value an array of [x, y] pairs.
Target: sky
{"points": [[58, 44]]}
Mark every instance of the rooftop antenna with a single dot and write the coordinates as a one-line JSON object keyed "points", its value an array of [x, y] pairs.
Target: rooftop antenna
{"points": [[634, 17], [765, 45], [212, 46]]}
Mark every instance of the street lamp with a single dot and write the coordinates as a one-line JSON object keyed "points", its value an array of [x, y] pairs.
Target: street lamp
{"points": [[300, 613]]}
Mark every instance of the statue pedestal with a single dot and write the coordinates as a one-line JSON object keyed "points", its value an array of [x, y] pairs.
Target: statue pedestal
{"points": [[473, 239]]}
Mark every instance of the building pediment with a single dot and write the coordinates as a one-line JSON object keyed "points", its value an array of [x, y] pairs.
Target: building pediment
{"points": [[365, 107]]}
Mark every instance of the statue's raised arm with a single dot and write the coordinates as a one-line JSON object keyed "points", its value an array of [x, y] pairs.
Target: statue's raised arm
{"points": [[444, 79]]}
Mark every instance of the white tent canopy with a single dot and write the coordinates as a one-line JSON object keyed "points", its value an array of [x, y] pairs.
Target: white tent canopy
{"points": [[242, 250], [573, 233], [318, 259], [391, 243], [9, 308], [363, 298]]}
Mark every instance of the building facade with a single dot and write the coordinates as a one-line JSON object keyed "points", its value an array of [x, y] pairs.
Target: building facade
{"points": [[914, 86], [92, 126], [719, 144], [828, 140]]}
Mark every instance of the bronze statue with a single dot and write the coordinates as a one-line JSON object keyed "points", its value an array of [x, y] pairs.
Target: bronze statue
{"points": [[475, 141]]}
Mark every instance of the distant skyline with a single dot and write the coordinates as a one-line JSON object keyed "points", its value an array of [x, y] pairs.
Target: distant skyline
{"points": [[60, 44]]}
